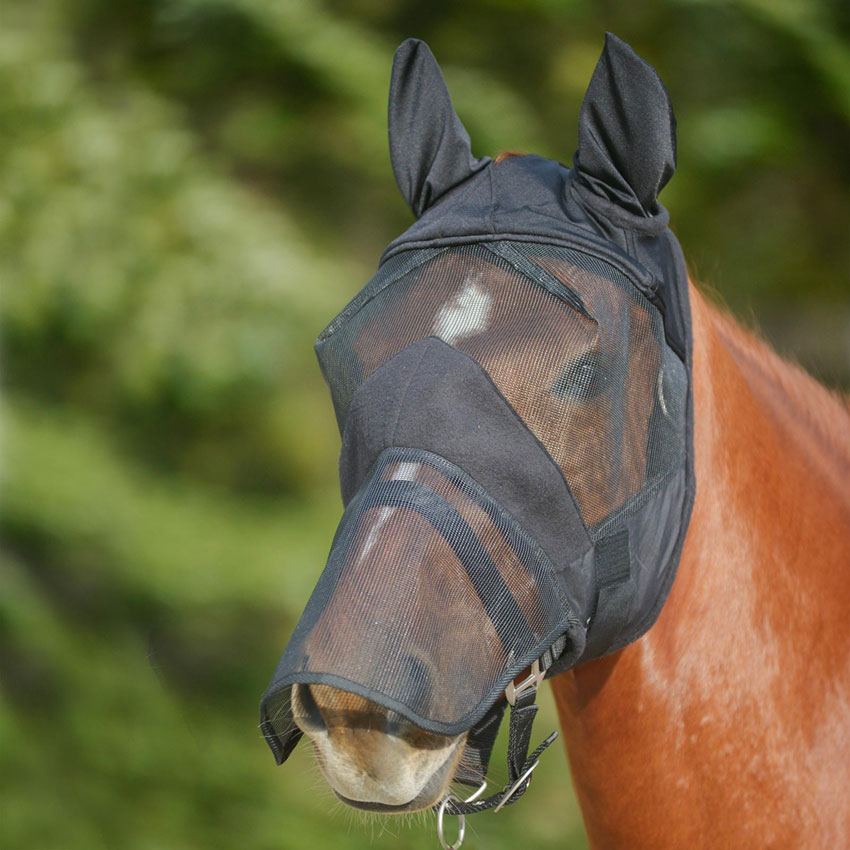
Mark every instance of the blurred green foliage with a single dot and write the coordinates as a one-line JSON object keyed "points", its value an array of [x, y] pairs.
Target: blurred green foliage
{"points": [[189, 189]]}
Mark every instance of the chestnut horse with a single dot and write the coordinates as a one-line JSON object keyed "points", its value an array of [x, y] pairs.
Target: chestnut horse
{"points": [[727, 724]]}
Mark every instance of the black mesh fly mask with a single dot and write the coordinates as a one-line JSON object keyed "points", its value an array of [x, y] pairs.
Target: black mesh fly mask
{"points": [[513, 391]]}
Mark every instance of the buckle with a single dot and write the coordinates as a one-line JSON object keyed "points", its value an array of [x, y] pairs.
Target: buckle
{"points": [[513, 789], [533, 680]]}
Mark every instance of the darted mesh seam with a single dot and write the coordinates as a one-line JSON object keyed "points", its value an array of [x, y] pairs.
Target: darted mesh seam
{"points": [[524, 266], [592, 265], [472, 488]]}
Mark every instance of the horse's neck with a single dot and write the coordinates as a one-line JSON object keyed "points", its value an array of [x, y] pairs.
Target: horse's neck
{"points": [[728, 723]]}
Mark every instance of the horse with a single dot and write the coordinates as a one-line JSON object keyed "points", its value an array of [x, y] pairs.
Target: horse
{"points": [[727, 723]]}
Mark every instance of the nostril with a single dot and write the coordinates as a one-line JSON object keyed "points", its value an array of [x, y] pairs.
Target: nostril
{"points": [[417, 684], [418, 681], [305, 709]]}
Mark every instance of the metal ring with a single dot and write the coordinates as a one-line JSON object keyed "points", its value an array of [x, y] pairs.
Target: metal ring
{"points": [[461, 827], [477, 794]]}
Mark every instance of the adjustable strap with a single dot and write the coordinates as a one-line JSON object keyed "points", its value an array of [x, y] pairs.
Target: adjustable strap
{"points": [[481, 738], [613, 568], [520, 763]]}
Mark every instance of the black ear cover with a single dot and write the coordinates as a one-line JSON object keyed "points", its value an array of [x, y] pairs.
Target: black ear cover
{"points": [[627, 133], [429, 147]]}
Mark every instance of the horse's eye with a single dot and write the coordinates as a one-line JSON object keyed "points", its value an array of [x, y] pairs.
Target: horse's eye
{"points": [[582, 380]]}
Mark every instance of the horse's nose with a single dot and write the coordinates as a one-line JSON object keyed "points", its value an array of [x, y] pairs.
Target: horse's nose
{"points": [[322, 708], [319, 708], [372, 757], [306, 710]]}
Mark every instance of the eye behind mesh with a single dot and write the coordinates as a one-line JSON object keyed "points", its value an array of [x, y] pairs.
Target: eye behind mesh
{"points": [[582, 380]]}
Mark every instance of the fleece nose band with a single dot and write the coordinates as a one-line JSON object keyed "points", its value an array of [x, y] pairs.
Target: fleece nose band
{"points": [[500, 606]]}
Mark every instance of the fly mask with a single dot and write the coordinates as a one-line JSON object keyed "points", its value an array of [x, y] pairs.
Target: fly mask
{"points": [[513, 389]]}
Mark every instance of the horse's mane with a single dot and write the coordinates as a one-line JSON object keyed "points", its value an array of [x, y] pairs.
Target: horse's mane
{"points": [[784, 384]]}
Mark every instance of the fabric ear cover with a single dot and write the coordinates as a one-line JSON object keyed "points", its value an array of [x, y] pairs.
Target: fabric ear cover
{"points": [[429, 147], [627, 135]]}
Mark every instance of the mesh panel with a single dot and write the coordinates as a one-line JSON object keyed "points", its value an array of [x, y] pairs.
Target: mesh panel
{"points": [[571, 344], [433, 597]]}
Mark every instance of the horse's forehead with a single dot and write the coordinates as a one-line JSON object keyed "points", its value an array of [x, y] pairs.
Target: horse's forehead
{"points": [[472, 273], [463, 295]]}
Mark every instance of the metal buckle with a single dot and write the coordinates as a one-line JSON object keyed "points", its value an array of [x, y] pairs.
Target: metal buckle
{"points": [[513, 789], [533, 680], [461, 826]]}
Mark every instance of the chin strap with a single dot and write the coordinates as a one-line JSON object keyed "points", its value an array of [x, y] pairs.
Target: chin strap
{"points": [[520, 764]]}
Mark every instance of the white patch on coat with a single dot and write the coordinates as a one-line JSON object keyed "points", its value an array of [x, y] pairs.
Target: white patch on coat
{"points": [[466, 314], [405, 471]]}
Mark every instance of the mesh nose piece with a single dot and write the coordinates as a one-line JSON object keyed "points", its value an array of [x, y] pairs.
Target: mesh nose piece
{"points": [[432, 600]]}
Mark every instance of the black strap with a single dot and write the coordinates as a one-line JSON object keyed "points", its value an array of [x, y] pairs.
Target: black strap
{"points": [[479, 746], [519, 762], [481, 737], [613, 569]]}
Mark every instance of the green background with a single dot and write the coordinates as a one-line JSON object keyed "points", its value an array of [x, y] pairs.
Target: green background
{"points": [[189, 190]]}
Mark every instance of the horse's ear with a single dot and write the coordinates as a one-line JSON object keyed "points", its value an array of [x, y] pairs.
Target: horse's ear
{"points": [[627, 131], [429, 147]]}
